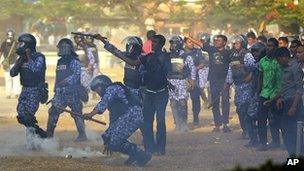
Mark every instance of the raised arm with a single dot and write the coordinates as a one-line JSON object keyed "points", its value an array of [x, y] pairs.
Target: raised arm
{"points": [[116, 52]]}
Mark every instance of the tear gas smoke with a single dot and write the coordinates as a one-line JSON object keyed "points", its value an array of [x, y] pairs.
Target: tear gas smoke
{"points": [[15, 145]]}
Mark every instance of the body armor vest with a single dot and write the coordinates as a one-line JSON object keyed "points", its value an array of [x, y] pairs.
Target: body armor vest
{"points": [[132, 76], [178, 68], [238, 73], [63, 69], [29, 78], [117, 107]]}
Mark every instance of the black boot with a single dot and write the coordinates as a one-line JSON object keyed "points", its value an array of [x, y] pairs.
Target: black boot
{"points": [[195, 120], [142, 158], [131, 150], [50, 129], [40, 132], [136, 155], [81, 130]]}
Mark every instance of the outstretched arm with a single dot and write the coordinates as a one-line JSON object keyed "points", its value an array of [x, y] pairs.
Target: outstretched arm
{"points": [[116, 52], [196, 42]]}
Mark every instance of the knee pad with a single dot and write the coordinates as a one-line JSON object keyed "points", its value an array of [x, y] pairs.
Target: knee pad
{"points": [[27, 120]]}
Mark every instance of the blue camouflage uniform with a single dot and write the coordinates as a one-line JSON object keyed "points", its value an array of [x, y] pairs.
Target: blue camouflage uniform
{"points": [[195, 93], [243, 90], [179, 95], [67, 80], [32, 75], [123, 123], [133, 75], [253, 108]]}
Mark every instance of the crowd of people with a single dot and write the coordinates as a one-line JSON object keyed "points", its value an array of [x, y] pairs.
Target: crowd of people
{"points": [[266, 74]]}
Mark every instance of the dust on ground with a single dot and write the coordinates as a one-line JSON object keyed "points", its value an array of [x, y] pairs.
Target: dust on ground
{"points": [[199, 149]]}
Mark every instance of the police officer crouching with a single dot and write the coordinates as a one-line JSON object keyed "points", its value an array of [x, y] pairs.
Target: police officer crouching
{"points": [[31, 67], [67, 89], [124, 123]]}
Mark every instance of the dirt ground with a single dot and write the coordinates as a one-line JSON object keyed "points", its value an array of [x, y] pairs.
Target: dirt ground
{"points": [[199, 149]]}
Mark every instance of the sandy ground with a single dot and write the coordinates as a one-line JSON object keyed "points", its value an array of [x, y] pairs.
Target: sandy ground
{"points": [[199, 149]]}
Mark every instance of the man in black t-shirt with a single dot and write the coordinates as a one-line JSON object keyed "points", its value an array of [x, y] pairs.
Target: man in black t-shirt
{"points": [[220, 80]]}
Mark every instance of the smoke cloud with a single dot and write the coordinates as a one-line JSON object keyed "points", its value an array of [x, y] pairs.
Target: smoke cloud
{"points": [[31, 145]]}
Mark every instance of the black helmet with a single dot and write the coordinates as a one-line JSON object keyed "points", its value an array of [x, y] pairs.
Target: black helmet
{"points": [[10, 33], [258, 50], [100, 83], [204, 37], [176, 43], [65, 47], [237, 38], [89, 40], [26, 41], [133, 45], [79, 39], [240, 39]]}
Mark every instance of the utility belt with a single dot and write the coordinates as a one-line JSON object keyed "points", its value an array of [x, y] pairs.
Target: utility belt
{"points": [[30, 88], [175, 75], [157, 91], [43, 89], [80, 90], [66, 89]]}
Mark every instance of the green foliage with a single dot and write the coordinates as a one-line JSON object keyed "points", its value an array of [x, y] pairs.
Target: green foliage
{"points": [[252, 13], [241, 13]]}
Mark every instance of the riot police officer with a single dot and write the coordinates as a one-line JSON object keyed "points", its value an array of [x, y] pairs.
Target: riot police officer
{"points": [[8, 49], [86, 66], [181, 75], [67, 85], [199, 63], [258, 51], [123, 123], [241, 60], [203, 71], [92, 54], [132, 75], [31, 67]]}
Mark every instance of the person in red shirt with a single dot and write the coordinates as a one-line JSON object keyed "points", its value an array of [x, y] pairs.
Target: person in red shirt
{"points": [[147, 46]]}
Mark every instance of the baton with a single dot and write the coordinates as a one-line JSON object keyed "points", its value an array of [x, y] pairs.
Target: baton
{"points": [[213, 101], [80, 115], [85, 34]]}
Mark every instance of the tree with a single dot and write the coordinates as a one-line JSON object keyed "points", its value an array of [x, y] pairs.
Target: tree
{"points": [[213, 13]]}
